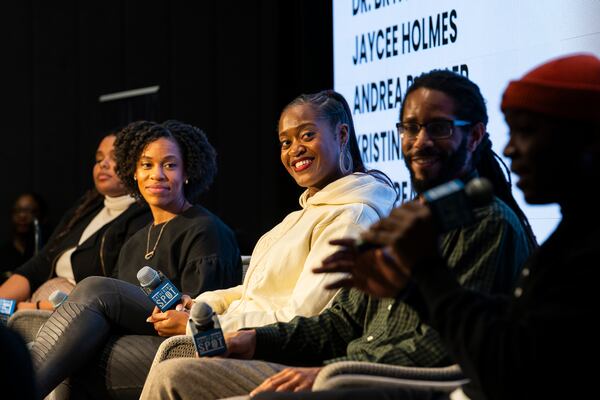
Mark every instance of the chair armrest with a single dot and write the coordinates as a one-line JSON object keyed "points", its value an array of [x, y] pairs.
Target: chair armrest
{"points": [[245, 265], [175, 347], [28, 322], [354, 381], [356, 373]]}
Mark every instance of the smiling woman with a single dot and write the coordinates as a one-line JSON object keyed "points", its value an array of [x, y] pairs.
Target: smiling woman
{"points": [[160, 178], [167, 166], [319, 150], [318, 142], [310, 149]]}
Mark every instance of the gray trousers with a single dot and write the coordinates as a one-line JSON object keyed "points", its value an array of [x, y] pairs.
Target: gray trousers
{"points": [[206, 378], [80, 341]]}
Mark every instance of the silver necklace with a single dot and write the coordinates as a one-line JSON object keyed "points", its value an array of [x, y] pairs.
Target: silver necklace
{"points": [[150, 254]]}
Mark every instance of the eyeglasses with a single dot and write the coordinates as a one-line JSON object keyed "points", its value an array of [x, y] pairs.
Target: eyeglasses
{"points": [[439, 129]]}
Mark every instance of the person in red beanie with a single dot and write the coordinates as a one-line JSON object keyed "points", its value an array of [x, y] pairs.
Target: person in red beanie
{"points": [[537, 343]]}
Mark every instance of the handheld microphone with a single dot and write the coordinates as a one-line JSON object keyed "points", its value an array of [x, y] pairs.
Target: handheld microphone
{"points": [[206, 331], [7, 308], [57, 298], [159, 289], [451, 204]]}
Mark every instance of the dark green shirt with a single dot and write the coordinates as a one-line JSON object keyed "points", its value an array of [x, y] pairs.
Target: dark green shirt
{"points": [[485, 256]]}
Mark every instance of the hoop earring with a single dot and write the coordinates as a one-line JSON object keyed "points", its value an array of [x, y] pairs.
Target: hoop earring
{"points": [[345, 162]]}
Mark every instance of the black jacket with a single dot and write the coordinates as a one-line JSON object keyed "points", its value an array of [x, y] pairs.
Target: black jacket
{"points": [[97, 255], [538, 343]]}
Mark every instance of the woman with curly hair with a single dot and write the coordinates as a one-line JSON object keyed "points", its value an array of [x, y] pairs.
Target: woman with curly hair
{"points": [[168, 166]]}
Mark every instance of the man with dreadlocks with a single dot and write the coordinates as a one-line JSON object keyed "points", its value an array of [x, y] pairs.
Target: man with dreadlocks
{"points": [[443, 127]]}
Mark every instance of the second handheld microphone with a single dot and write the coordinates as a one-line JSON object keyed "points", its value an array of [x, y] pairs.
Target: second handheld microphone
{"points": [[206, 331]]}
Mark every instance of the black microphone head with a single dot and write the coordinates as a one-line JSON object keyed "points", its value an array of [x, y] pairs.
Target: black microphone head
{"points": [[201, 313], [148, 277], [57, 297], [480, 192]]}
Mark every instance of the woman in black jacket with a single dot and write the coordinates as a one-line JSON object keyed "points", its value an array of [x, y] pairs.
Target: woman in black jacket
{"points": [[86, 242]]}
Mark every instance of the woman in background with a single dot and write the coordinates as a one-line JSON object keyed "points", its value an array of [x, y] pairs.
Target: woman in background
{"points": [[87, 240], [28, 214]]}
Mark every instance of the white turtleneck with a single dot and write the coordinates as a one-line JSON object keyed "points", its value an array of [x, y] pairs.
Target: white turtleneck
{"points": [[113, 207]]}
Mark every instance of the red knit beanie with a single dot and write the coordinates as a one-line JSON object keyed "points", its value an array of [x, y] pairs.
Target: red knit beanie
{"points": [[567, 87]]}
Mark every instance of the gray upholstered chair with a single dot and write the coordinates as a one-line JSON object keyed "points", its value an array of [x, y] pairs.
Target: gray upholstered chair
{"points": [[180, 346], [28, 322], [245, 265], [351, 374]]}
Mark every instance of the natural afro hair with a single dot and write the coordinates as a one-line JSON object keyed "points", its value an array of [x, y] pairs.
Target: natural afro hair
{"points": [[199, 157]]}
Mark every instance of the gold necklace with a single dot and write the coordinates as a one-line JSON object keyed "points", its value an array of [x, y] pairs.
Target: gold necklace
{"points": [[150, 254]]}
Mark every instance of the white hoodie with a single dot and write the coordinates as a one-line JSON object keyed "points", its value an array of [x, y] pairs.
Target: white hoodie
{"points": [[280, 283]]}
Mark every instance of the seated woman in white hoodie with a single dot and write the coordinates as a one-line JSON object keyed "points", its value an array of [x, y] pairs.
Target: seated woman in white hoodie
{"points": [[320, 151]]}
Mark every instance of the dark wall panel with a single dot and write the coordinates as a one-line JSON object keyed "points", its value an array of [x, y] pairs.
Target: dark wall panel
{"points": [[57, 172], [16, 151], [226, 67]]}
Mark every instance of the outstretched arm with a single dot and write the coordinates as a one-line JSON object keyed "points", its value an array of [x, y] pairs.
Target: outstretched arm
{"points": [[16, 287], [406, 237]]}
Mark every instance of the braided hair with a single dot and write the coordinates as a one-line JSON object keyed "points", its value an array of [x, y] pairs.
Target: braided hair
{"points": [[470, 106], [199, 157], [331, 106]]}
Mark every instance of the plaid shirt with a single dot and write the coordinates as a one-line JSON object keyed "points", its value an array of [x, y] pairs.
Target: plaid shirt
{"points": [[486, 256]]}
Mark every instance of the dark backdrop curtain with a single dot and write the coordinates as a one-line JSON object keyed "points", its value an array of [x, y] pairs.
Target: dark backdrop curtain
{"points": [[227, 67]]}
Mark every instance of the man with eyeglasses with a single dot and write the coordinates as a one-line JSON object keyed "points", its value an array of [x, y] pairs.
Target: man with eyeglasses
{"points": [[443, 132], [437, 132]]}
